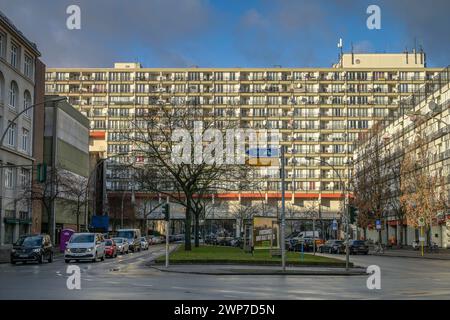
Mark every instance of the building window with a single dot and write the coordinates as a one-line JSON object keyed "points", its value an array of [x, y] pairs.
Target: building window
{"points": [[14, 58], [28, 67], [26, 102], [12, 134], [2, 44], [13, 94], [9, 178], [24, 177], [25, 139]]}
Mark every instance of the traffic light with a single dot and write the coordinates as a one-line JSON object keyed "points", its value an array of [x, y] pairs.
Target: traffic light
{"points": [[42, 172], [353, 212], [166, 211]]}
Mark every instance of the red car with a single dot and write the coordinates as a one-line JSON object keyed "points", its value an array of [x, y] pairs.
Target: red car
{"points": [[110, 248]]}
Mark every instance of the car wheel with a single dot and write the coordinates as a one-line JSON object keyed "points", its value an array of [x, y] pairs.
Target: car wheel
{"points": [[41, 259], [50, 258], [95, 258], [66, 260]]}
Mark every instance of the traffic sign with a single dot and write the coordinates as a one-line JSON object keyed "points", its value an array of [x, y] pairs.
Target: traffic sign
{"points": [[263, 153], [378, 224], [334, 225], [421, 221]]}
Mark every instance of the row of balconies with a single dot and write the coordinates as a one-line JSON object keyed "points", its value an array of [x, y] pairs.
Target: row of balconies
{"points": [[243, 76]]}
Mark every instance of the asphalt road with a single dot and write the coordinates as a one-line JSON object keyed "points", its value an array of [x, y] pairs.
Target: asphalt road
{"points": [[128, 277]]}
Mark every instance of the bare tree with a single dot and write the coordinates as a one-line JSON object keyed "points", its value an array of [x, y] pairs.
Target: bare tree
{"points": [[369, 181], [56, 184], [422, 193], [158, 135], [75, 195]]}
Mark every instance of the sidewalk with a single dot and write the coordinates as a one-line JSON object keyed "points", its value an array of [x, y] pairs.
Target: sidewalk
{"points": [[257, 270], [443, 254]]}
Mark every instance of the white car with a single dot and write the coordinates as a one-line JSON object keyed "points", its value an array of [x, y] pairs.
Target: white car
{"points": [[155, 240], [144, 243], [85, 246], [122, 245]]}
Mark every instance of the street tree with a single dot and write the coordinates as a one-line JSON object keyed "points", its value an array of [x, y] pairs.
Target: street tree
{"points": [[423, 193]]}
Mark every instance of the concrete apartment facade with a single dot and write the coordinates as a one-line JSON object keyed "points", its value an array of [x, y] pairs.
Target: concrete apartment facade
{"points": [[19, 89], [319, 113], [66, 147], [425, 113]]}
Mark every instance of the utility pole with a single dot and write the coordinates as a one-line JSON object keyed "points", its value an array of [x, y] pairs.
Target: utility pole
{"points": [[283, 217], [166, 214]]}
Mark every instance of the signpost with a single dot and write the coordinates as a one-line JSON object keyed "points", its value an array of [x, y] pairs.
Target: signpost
{"points": [[421, 223], [378, 224]]}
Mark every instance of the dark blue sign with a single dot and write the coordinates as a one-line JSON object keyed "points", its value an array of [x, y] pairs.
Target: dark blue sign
{"points": [[378, 224], [100, 222]]}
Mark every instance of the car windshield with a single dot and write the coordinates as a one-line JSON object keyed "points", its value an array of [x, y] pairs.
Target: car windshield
{"points": [[34, 241], [126, 234], [358, 243], [108, 242], [82, 238], [337, 242], [143, 239], [118, 240]]}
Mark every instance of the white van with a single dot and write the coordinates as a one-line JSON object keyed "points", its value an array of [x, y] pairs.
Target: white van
{"points": [[85, 246], [133, 236]]}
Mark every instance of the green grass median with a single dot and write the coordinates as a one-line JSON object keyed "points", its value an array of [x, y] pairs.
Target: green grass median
{"points": [[231, 255]]}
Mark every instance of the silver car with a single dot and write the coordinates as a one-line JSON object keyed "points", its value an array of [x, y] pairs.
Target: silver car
{"points": [[122, 245], [85, 246], [144, 243]]}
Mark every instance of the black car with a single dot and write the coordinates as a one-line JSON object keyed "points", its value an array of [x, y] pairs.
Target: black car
{"points": [[358, 246], [37, 248], [296, 244], [332, 246]]}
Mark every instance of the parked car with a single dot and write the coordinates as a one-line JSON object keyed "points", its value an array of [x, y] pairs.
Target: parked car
{"points": [[332, 246], [357, 246], [122, 245], [36, 248], [155, 240], [296, 244], [85, 246], [133, 236], [110, 248], [236, 242], [211, 239], [144, 243]]}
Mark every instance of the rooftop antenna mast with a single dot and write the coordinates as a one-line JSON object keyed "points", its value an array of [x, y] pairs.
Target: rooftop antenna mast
{"points": [[341, 53]]}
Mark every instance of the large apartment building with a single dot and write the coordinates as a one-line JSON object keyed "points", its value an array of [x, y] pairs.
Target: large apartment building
{"points": [[319, 112], [20, 80], [419, 138]]}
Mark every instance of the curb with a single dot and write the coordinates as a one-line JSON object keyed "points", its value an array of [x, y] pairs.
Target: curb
{"points": [[273, 273], [410, 257]]}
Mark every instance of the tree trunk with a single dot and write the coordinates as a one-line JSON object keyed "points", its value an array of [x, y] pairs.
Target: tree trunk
{"points": [[78, 221], [365, 233], [196, 229], [379, 237], [51, 231], [401, 235], [187, 226]]}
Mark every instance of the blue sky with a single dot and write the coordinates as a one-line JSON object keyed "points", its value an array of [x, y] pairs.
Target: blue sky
{"points": [[228, 33]]}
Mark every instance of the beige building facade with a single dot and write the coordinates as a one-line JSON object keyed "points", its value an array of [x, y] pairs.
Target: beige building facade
{"points": [[426, 113], [319, 112]]}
